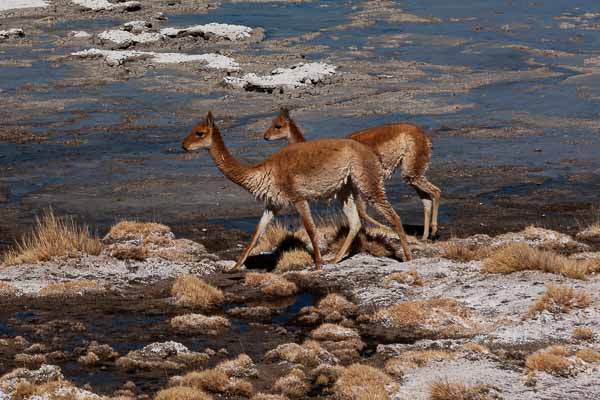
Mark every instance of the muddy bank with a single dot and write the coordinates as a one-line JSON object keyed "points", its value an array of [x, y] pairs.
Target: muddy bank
{"points": [[451, 315]]}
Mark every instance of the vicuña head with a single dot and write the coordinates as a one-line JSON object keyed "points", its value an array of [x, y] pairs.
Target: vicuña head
{"points": [[201, 135], [283, 127]]}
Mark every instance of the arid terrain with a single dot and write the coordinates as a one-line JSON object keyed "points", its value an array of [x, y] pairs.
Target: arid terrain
{"points": [[96, 98]]}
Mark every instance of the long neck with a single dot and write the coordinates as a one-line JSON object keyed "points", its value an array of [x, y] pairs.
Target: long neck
{"points": [[296, 135], [227, 164]]}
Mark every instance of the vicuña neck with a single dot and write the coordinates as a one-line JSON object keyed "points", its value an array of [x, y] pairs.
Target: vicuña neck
{"points": [[297, 135], [227, 164]]}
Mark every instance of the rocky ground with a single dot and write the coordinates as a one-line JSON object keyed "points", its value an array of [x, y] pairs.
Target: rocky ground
{"points": [[444, 325]]}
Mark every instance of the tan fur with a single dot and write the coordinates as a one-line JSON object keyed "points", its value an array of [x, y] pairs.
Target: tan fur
{"points": [[301, 172], [397, 145]]}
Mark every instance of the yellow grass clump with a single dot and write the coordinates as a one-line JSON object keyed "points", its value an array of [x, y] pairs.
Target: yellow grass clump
{"points": [[293, 260], [216, 380], [551, 360], [588, 355], [182, 393], [126, 230], [335, 303], [271, 284], [72, 288], [457, 251], [444, 390], [415, 359], [359, 381], [310, 354], [559, 299], [200, 324], [583, 333], [267, 396], [518, 256], [6, 289], [210, 380], [191, 291], [435, 318], [294, 384], [52, 237], [411, 277], [240, 367]]}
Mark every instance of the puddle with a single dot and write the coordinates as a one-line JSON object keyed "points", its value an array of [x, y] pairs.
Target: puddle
{"points": [[131, 323]]}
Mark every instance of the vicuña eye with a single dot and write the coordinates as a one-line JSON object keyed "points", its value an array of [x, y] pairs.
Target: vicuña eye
{"points": [[277, 126]]}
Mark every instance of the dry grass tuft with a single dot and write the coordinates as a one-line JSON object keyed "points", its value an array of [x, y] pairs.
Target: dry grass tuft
{"points": [[137, 253], [240, 367], [335, 303], [444, 390], [294, 384], [411, 278], [588, 355], [215, 381], [129, 230], [211, 380], [72, 288], [433, 319], [457, 251], [6, 289], [182, 393], [200, 324], [271, 284], [267, 396], [310, 354], [294, 260], [52, 237], [89, 359], [583, 333], [518, 256], [191, 291], [53, 390], [415, 359], [551, 360], [559, 299], [474, 348], [360, 381]]}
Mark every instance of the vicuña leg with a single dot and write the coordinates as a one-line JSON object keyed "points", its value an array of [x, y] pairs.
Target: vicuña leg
{"points": [[266, 218], [372, 189], [362, 212], [311, 229], [430, 196], [349, 208]]}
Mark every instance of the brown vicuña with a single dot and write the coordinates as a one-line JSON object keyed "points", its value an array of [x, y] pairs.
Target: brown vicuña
{"points": [[403, 145], [301, 172]]}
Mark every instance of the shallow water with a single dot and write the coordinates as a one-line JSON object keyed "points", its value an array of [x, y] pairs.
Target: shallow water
{"points": [[130, 131]]}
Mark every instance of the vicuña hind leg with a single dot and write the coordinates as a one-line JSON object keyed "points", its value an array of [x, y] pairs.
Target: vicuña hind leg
{"points": [[373, 190], [304, 211], [266, 218], [430, 196], [349, 208], [362, 212]]}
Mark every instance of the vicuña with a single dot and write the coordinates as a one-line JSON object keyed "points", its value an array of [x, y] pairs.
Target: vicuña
{"points": [[301, 172], [403, 145]]}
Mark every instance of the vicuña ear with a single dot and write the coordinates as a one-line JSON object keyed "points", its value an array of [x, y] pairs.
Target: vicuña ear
{"points": [[285, 112], [209, 119]]}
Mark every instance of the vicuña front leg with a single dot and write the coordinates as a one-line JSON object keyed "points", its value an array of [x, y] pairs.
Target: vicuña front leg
{"points": [[311, 229], [349, 208], [266, 218]]}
